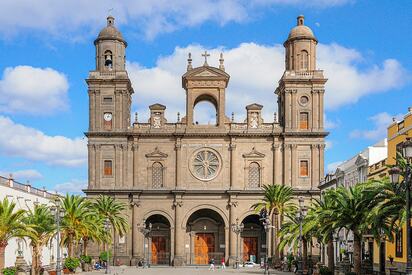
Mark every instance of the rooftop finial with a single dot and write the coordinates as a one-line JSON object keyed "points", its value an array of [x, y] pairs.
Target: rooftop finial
{"points": [[178, 117], [221, 60], [275, 117], [233, 116], [205, 55], [301, 20], [110, 19], [135, 117], [189, 62]]}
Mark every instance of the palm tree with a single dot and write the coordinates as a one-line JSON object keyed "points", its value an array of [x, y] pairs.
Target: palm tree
{"points": [[351, 210], [108, 207], [76, 214], [92, 230], [41, 222], [277, 200], [320, 223], [10, 225]]}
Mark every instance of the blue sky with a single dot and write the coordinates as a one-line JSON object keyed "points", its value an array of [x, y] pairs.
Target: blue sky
{"points": [[46, 51]]}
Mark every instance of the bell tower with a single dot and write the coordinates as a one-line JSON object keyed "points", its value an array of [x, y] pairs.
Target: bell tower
{"points": [[301, 88], [109, 85], [205, 83]]}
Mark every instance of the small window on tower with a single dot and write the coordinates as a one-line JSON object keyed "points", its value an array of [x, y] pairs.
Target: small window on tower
{"points": [[304, 168], [304, 121], [304, 60], [107, 100], [108, 170]]}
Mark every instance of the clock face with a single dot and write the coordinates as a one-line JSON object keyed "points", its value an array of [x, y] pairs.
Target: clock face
{"points": [[107, 116]]}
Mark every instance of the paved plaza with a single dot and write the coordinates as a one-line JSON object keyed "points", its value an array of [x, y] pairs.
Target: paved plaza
{"points": [[184, 271]]}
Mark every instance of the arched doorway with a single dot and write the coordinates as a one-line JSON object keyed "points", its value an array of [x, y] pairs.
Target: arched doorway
{"points": [[206, 230], [253, 244], [159, 240]]}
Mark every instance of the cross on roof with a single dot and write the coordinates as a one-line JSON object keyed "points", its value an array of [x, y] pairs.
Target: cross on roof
{"points": [[205, 55]]}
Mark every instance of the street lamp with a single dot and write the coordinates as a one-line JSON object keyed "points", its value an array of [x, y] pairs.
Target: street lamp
{"points": [[145, 229], [267, 225], [394, 173], [107, 229], [58, 214], [237, 229], [300, 217]]}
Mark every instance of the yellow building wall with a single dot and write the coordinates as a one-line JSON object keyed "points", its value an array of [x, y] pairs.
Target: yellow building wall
{"points": [[397, 133]]}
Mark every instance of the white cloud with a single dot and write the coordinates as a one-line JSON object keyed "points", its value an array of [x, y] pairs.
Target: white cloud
{"points": [[348, 82], [380, 123], [150, 17], [23, 175], [331, 167], [72, 186], [329, 145], [330, 124], [255, 70], [21, 141], [32, 90]]}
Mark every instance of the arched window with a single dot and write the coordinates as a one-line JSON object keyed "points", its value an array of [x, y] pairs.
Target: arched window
{"points": [[157, 175], [254, 174], [304, 60], [108, 59], [205, 113], [304, 121]]}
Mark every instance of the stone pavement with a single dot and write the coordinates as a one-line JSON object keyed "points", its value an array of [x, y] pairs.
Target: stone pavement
{"points": [[183, 271]]}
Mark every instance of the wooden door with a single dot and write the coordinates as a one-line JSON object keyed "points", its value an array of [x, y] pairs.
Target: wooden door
{"points": [[158, 249], [204, 245], [250, 245]]}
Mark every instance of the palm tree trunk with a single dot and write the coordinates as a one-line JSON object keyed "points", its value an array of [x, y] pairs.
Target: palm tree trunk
{"points": [[275, 239], [280, 226], [34, 263], [305, 254], [357, 253], [70, 245], [85, 242], [331, 255], [3, 245]]}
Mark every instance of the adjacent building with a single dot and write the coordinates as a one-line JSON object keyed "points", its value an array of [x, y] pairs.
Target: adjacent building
{"points": [[191, 181], [398, 132], [26, 197]]}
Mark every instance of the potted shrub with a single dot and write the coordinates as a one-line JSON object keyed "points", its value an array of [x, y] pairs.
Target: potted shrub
{"points": [[9, 271], [86, 261], [103, 256], [323, 270], [71, 264]]}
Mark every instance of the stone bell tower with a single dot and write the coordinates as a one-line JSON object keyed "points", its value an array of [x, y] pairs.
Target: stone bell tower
{"points": [[300, 105], [109, 85]]}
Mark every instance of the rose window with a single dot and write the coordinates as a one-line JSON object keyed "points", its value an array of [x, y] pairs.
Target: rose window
{"points": [[205, 165]]}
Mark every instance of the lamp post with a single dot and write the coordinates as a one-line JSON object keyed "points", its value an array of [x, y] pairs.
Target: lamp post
{"points": [[300, 217], [107, 228], [394, 173], [237, 229], [58, 214], [145, 229], [267, 225]]}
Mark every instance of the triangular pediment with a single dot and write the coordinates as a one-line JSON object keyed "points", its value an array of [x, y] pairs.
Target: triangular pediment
{"points": [[254, 106], [360, 160], [157, 106], [206, 72], [156, 154], [254, 154]]}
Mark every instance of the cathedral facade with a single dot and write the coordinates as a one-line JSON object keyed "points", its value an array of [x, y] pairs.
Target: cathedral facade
{"points": [[188, 183]]}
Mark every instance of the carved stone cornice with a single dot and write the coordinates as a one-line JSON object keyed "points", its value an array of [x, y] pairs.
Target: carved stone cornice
{"points": [[254, 154], [156, 154]]}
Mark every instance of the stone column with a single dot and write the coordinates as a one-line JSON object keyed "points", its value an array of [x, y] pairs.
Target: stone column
{"points": [[135, 149], [232, 236], [135, 232], [315, 165], [288, 111], [178, 259], [315, 109], [178, 148], [321, 160], [295, 166], [321, 122], [98, 165], [287, 164], [275, 172], [92, 110], [227, 243], [232, 148], [92, 165], [293, 109], [98, 114]]}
